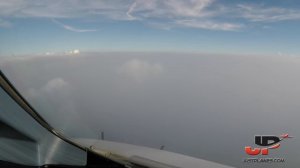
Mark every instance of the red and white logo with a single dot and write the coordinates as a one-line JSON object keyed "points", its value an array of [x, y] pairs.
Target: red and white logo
{"points": [[268, 142]]}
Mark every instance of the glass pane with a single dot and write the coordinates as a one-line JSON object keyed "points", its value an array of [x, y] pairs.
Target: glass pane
{"points": [[24, 141]]}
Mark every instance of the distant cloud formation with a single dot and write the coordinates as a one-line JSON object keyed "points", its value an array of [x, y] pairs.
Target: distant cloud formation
{"points": [[53, 86], [200, 14], [57, 96], [140, 70], [73, 29], [259, 13], [209, 25], [73, 52], [66, 53]]}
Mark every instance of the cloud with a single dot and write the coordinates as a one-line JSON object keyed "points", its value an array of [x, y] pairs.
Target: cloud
{"points": [[71, 52], [74, 52], [209, 25], [166, 14], [170, 8], [55, 98], [260, 13], [140, 70], [60, 9], [153, 12], [52, 87], [55, 84], [130, 10], [73, 29], [58, 54]]}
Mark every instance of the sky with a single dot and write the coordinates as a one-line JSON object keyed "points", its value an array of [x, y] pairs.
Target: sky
{"points": [[201, 26]]}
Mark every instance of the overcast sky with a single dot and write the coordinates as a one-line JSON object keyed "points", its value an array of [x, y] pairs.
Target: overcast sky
{"points": [[210, 26]]}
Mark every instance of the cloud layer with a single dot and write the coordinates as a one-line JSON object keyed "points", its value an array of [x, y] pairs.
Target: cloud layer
{"points": [[140, 70], [203, 14], [55, 86], [185, 102]]}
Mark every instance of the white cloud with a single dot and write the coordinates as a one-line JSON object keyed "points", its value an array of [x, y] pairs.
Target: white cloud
{"points": [[55, 98], [130, 10], [7, 8], [169, 11], [58, 54], [76, 51], [73, 29], [72, 52], [49, 53], [59, 8], [209, 25], [191, 8], [267, 14], [166, 14], [140, 70], [55, 84], [170, 8], [52, 87]]}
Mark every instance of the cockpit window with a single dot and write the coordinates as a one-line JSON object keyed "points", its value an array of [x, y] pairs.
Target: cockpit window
{"points": [[201, 78]]}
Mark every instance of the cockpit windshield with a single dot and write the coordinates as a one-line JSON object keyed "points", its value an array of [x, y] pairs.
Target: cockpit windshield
{"points": [[200, 78]]}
